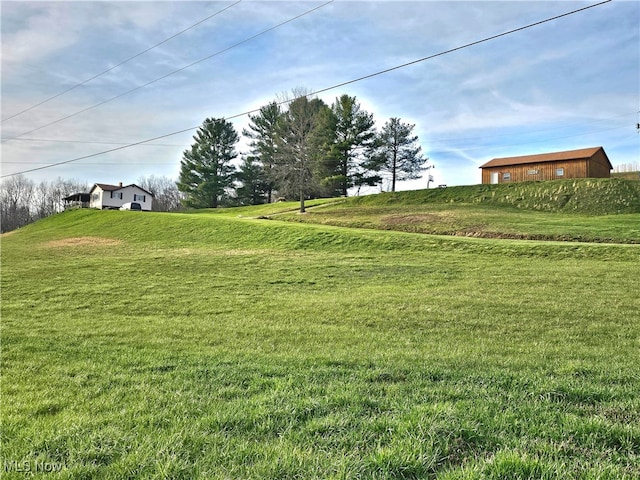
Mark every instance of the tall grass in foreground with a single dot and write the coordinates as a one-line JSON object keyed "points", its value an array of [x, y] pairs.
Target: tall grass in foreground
{"points": [[196, 346]]}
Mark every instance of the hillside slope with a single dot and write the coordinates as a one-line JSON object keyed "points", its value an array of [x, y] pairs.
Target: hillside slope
{"points": [[592, 196], [587, 210], [212, 346]]}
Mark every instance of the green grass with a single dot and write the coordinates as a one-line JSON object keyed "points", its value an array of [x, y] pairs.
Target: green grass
{"points": [[590, 196], [477, 221], [584, 210], [214, 345]]}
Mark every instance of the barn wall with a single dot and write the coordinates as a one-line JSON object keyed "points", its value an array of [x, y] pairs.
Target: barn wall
{"points": [[538, 171], [598, 166]]}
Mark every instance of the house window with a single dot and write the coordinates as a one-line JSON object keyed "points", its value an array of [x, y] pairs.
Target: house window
{"points": [[95, 197], [506, 176], [559, 172], [139, 198], [532, 172], [116, 195]]}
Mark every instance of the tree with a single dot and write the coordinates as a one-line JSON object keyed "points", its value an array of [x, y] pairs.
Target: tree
{"points": [[206, 171], [262, 132], [254, 188], [23, 202], [397, 153], [294, 166], [351, 131], [16, 195], [166, 196], [48, 198]]}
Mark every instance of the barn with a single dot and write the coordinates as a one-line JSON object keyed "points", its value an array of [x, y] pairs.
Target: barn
{"points": [[584, 163]]}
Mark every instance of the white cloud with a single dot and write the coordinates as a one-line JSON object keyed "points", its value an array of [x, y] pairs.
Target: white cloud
{"points": [[45, 31], [486, 98]]}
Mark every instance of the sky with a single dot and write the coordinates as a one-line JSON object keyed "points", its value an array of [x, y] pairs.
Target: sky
{"points": [[569, 83]]}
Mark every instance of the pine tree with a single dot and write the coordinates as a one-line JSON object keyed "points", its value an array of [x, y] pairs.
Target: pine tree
{"points": [[206, 171], [262, 132], [254, 188], [397, 153], [350, 132]]}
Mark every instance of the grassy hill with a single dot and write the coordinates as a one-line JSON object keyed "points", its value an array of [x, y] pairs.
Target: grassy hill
{"points": [[215, 345], [589, 210], [591, 196], [626, 175]]}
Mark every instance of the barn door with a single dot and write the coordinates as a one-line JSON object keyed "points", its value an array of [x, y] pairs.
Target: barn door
{"points": [[494, 177]]}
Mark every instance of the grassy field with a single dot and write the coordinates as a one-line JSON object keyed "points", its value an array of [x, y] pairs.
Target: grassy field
{"points": [[219, 345], [587, 210], [476, 221]]}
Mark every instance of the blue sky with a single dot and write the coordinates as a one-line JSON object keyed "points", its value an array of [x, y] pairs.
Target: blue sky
{"points": [[570, 83]]}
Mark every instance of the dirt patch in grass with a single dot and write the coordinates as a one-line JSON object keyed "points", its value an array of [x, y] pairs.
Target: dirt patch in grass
{"points": [[83, 242], [414, 219]]}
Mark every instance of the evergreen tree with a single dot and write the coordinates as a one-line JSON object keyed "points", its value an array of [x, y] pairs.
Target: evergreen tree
{"points": [[262, 132], [206, 171], [351, 132], [254, 187], [397, 153]]}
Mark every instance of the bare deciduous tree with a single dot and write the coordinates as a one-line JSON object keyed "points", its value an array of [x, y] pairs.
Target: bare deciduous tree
{"points": [[166, 196], [23, 202], [16, 194], [294, 166]]}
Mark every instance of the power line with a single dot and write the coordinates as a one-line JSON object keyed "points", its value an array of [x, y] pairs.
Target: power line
{"points": [[95, 163], [173, 72], [381, 72], [461, 47], [451, 149], [84, 82], [439, 140], [129, 145], [47, 140]]}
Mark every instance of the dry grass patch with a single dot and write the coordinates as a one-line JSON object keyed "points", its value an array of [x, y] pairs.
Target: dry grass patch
{"points": [[415, 219], [83, 242]]}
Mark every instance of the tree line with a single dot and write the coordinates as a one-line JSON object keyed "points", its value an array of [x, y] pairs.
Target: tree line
{"points": [[23, 201], [307, 150]]}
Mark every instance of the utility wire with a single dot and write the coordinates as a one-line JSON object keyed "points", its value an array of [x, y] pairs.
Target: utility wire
{"points": [[381, 72], [452, 149], [449, 150], [439, 140], [84, 82], [461, 47], [48, 140], [173, 72]]}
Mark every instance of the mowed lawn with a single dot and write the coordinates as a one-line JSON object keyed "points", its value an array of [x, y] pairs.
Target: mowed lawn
{"points": [[143, 345], [472, 220]]}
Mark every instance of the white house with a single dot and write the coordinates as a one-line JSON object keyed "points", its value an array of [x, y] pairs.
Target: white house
{"points": [[112, 197]]}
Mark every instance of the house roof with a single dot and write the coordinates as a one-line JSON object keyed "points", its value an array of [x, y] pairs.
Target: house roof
{"points": [[106, 187], [78, 197], [547, 157], [112, 188]]}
